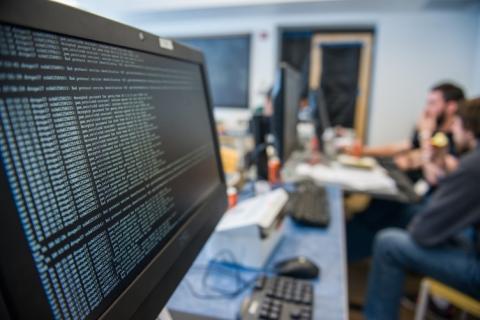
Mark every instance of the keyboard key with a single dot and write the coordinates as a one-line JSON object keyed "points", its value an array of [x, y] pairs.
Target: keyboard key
{"points": [[281, 298]]}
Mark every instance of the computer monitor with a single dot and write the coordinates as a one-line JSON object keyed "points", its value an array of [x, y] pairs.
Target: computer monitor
{"points": [[321, 116], [228, 63], [110, 173], [260, 127], [286, 100]]}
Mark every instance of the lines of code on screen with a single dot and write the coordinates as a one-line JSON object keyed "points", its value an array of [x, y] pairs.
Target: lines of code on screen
{"points": [[106, 151]]}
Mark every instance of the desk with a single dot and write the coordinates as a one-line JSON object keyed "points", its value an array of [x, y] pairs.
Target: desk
{"points": [[405, 191], [326, 247]]}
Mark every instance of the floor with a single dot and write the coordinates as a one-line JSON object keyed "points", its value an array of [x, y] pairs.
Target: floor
{"points": [[357, 283]]}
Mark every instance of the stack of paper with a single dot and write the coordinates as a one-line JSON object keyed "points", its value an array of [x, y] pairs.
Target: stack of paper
{"points": [[357, 179], [261, 210]]}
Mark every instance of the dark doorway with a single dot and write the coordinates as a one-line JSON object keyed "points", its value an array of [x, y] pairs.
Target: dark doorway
{"points": [[335, 62]]}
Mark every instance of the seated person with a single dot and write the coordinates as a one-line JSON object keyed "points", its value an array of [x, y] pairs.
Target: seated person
{"points": [[431, 247], [260, 127], [424, 161], [442, 103]]}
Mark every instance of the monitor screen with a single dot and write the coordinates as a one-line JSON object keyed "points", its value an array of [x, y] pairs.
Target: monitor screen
{"points": [[106, 153], [286, 99], [320, 113], [227, 59]]}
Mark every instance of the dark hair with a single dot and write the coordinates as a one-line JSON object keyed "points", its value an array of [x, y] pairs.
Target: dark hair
{"points": [[469, 112], [450, 92]]}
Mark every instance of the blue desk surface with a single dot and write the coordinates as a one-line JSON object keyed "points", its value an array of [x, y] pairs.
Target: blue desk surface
{"points": [[326, 247]]}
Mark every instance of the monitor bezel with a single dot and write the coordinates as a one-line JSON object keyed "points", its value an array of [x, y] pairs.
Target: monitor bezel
{"points": [[151, 289]]}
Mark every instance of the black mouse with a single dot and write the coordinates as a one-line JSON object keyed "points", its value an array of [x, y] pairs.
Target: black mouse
{"points": [[298, 267]]}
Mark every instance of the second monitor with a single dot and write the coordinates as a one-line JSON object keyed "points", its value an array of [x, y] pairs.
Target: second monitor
{"points": [[228, 62], [285, 99]]}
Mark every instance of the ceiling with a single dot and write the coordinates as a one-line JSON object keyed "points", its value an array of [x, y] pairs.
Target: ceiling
{"points": [[129, 11]]}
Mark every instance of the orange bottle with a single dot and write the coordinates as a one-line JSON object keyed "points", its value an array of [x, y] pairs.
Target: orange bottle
{"points": [[274, 170], [232, 196]]}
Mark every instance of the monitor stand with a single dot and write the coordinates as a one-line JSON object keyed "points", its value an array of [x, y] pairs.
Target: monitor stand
{"points": [[164, 315], [177, 315]]}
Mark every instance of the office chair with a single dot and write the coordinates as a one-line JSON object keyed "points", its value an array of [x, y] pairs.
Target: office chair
{"points": [[455, 297]]}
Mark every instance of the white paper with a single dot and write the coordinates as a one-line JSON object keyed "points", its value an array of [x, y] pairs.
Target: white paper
{"points": [[260, 210], [357, 179]]}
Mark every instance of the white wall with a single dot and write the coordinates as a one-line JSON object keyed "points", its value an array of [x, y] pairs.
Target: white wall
{"points": [[413, 50]]}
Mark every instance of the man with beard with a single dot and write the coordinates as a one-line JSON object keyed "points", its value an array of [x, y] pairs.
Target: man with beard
{"points": [[441, 106]]}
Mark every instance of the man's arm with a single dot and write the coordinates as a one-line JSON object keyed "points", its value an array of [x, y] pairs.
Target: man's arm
{"points": [[388, 150], [454, 206]]}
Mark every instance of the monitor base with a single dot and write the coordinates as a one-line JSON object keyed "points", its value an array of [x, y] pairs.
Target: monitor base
{"points": [[178, 315], [164, 315]]}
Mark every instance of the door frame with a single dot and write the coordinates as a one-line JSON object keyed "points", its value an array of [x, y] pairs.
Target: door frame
{"points": [[364, 74]]}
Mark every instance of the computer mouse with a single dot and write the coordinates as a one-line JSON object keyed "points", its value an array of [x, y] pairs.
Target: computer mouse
{"points": [[298, 267]]}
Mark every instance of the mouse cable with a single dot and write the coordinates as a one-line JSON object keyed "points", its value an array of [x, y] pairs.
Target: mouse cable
{"points": [[210, 292]]}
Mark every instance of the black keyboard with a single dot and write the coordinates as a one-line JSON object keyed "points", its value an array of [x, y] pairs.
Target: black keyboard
{"points": [[387, 163], [404, 184], [279, 298], [309, 205]]}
